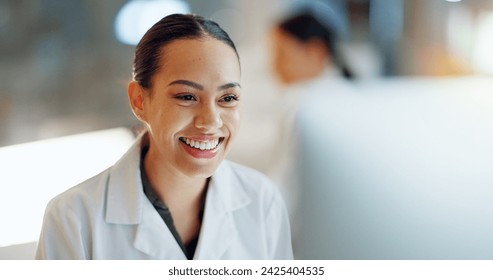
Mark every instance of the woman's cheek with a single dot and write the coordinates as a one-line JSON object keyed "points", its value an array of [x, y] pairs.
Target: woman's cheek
{"points": [[233, 119]]}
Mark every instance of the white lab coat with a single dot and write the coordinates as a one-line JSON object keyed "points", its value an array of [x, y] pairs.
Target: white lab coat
{"points": [[110, 217]]}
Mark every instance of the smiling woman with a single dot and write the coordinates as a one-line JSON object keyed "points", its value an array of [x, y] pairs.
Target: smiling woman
{"points": [[173, 195]]}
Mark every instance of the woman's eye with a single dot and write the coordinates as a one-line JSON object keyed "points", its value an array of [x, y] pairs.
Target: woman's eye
{"points": [[230, 98], [186, 97]]}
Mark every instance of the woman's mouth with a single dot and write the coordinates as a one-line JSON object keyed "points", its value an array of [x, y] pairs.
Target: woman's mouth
{"points": [[203, 148], [206, 145]]}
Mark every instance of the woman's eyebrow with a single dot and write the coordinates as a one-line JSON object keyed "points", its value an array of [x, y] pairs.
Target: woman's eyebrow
{"points": [[200, 87], [187, 83], [228, 85]]}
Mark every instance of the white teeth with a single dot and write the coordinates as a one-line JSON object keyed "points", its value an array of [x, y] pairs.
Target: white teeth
{"points": [[207, 145]]}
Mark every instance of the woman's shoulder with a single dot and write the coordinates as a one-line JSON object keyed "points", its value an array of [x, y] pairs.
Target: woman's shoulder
{"points": [[251, 180], [88, 193], [246, 173]]}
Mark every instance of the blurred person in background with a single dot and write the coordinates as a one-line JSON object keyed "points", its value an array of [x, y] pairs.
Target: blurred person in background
{"points": [[306, 60], [172, 195]]}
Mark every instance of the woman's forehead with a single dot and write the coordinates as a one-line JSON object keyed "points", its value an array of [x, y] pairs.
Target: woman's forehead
{"points": [[204, 47], [199, 59]]}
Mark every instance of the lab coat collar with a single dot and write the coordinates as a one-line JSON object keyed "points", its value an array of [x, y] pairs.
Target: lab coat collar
{"points": [[125, 200], [126, 204], [219, 232]]}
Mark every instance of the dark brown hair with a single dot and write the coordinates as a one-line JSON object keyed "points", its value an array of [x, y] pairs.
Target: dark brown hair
{"points": [[168, 29], [304, 26]]}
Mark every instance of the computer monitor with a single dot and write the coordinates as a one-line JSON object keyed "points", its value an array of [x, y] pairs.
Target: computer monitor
{"points": [[401, 170]]}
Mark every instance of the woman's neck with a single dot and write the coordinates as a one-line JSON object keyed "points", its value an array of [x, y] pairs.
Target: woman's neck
{"points": [[170, 184], [183, 195]]}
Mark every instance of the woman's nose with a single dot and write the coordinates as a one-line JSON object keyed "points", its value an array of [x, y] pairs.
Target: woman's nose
{"points": [[208, 119]]}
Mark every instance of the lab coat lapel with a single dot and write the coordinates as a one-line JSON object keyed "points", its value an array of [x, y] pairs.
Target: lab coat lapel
{"points": [[127, 205], [125, 193], [154, 238], [219, 232]]}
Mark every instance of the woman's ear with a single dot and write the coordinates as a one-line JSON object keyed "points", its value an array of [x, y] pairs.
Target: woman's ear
{"points": [[318, 49], [318, 55], [136, 98]]}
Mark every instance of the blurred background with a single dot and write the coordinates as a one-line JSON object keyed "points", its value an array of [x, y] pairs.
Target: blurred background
{"points": [[64, 67]]}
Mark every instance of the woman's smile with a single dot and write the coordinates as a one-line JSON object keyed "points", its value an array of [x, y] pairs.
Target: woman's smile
{"points": [[201, 147], [202, 144]]}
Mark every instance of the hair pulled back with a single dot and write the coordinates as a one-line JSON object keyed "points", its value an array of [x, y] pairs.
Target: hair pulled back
{"points": [[168, 29]]}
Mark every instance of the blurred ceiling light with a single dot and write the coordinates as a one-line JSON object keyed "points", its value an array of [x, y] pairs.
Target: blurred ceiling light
{"points": [[482, 58], [137, 16], [453, 0]]}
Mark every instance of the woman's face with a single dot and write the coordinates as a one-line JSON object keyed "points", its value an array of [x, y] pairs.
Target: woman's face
{"points": [[287, 56], [192, 109], [293, 60]]}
